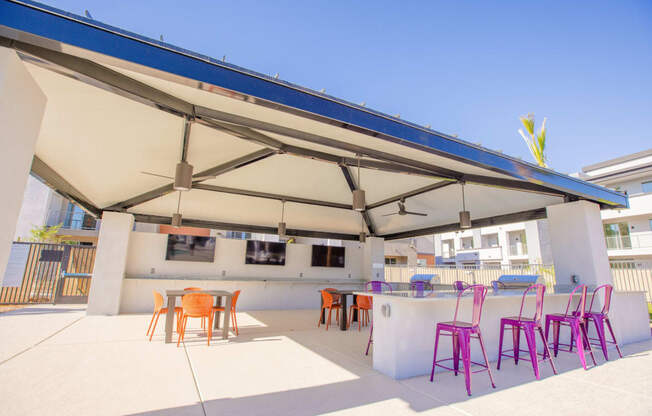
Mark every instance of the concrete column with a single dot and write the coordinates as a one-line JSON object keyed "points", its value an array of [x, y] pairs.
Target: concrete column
{"points": [[373, 264], [533, 242], [503, 242], [22, 104], [110, 264], [578, 244]]}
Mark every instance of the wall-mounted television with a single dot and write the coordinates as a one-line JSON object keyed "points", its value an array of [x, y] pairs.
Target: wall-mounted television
{"points": [[265, 252], [190, 248], [327, 256]]}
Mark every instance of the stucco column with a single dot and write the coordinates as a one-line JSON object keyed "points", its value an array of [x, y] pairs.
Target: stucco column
{"points": [[110, 264], [22, 104], [373, 263], [578, 244]]}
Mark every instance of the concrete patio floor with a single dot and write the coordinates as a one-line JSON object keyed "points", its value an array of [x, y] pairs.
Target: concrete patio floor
{"points": [[58, 361]]}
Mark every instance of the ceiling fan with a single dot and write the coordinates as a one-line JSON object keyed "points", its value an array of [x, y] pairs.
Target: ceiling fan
{"points": [[183, 174], [403, 211]]}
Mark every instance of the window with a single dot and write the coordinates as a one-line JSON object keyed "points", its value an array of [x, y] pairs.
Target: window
{"points": [[617, 235], [237, 235], [467, 243], [647, 186]]}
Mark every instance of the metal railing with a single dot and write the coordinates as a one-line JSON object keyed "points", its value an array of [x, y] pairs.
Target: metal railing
{"points": [[628, 242], [626, 275], [44, 268]]}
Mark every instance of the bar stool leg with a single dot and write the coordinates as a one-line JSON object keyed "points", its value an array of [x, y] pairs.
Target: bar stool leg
{"points": [[465, 346], [555, 335], [598, 321], [532, 347], [371, 332], [611, 331], [434, 357], [500, 343], [546, 351], [516, 342], [585, 341], [456, 352], [576, 332], [486, 359]]}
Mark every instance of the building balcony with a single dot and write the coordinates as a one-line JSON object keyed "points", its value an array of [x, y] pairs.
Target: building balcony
{"points": [[491, 253], [72, 220], [516, 250], [630, 242]]}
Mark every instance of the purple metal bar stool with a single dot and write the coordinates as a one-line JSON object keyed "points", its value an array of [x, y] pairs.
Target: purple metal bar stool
{"points": [[375, 286], [601, 318], [529, 326], [461, 333], [460, 285], [575, 320]]}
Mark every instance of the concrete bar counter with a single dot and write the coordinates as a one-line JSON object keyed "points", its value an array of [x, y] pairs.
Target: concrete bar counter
{"points": [[404, 325]]}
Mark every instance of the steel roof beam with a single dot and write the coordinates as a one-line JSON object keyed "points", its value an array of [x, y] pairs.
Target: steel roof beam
{"points": [[55, 181], [214, 171], [522, 216], [266, 195], [409, 194], [216, 225], [352, 186]]}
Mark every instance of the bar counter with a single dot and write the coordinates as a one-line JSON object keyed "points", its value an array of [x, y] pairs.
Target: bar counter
{"points": [[404, 324]]}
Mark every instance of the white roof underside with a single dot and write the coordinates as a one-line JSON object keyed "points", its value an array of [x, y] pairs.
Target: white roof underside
{"points": [[100, 142]]}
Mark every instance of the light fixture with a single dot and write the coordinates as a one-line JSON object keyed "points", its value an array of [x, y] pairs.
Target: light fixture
{"points": [[363, 235], [358, 194], [465, 216], [176, 217], [282, 227], [183, 176]]}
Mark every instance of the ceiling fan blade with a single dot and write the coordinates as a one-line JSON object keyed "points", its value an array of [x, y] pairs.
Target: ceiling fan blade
{"points": [[416, 213], [203, 178], [387, 215], [156, 174]]}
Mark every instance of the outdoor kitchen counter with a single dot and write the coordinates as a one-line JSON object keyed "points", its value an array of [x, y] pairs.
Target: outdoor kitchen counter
{"points": [[404, 325]]}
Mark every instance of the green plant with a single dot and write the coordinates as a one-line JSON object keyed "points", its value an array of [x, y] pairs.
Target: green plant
{"points": [[46, 234], [536, 142]]}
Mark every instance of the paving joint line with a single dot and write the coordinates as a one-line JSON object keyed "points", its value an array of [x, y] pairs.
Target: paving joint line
{"points": [[194, 379], [42, 341]]}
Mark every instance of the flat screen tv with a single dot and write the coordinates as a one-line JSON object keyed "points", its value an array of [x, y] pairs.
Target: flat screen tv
{"points": [[190, 248], [327, 256], [265, 252]]}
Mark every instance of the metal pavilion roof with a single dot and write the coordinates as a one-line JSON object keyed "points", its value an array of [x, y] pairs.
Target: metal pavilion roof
{"points": [[249, 128]]}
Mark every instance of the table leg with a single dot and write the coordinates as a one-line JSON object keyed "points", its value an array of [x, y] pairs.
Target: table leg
{"points": [[321, 306], [169, 319], [216, 318], [354, 318], [227, 315], [343, 314]]}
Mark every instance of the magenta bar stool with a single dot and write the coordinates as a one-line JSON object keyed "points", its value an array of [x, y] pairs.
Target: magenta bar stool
{"points": [[375, 286], [461, 333], [575, 320], [529, 327], [601, 318]]}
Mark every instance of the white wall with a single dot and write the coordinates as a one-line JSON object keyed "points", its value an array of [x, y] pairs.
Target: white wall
{"points": [[34, 210], [22, 104], [147, 251]]}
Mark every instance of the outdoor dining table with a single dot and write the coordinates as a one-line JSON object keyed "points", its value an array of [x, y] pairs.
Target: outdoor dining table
{"points": [[343, 318], [218, 294]]}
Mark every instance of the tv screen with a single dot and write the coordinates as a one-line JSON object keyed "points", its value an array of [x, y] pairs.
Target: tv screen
{"points": [[265, 252], [190, 248], [327, 256]]}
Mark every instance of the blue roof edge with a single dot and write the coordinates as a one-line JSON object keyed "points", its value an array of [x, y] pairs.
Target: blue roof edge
{"points": [[51, 23]]}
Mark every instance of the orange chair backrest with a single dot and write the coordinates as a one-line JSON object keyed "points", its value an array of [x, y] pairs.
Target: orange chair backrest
{"points": [[194, 289], [158, 301], [197, 303], [364, 301], [327, 298], [234, 299]]}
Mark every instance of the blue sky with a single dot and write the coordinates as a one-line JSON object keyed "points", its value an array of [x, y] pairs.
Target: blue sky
{"points": [[469, 68]]}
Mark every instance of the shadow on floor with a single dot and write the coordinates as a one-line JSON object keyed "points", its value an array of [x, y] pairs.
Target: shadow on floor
{"points": [[41, 311]]}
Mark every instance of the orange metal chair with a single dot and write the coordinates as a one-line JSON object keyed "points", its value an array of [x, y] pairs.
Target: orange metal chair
{"points": [[234, 301], [158, 311], [363, 306], [336, 296], [196, 289], [196, 305], [328, 303]]}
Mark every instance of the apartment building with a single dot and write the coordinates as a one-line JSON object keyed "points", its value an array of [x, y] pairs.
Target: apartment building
{"points": [[628, 232]]}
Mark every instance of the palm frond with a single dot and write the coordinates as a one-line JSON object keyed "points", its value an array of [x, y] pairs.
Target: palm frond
{"points": [[528, 123]]}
